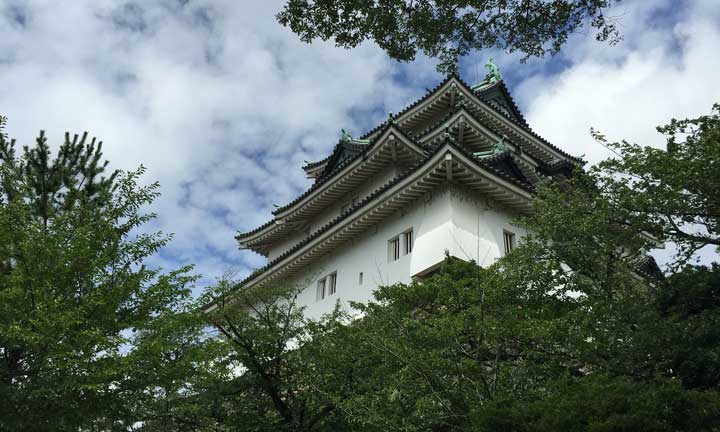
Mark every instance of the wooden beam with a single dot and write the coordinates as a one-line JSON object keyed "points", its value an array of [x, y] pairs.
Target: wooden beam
{"points": [[461, 131], [393, 148], [448, 166]]}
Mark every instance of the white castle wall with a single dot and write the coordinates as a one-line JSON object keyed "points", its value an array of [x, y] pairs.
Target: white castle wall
{"points": [[468, 226]]}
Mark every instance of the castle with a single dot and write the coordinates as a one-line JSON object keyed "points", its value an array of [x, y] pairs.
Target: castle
{"points": [[448, 174]]}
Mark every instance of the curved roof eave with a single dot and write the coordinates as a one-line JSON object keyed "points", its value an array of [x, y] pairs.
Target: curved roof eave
{"points": [[436, 158]]}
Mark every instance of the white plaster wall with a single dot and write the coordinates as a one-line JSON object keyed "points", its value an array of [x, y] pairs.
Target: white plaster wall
{"points": [[478, 225], [466, 225]]}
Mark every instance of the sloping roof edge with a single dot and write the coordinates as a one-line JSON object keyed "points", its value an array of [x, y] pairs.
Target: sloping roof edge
{"points": [[482, 164]]}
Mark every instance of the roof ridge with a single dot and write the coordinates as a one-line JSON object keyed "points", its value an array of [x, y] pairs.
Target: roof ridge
{"points": [[506, 92], [390, 122], [377, 192], [334, 221], [412, 105], [524, 125], [324, 178]]}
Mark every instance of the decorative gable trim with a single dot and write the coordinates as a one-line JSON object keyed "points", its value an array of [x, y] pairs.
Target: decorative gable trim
{"points": [[392, 142], [390, 138], [488, 94]]}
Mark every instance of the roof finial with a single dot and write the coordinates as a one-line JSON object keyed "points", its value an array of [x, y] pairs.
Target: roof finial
{"points": [[493, 75], [346, 137], [500, 145]]}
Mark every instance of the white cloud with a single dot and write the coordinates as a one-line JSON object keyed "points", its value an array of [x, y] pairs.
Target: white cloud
{"points": [[667, 67], [222, 104], [662, 70]]}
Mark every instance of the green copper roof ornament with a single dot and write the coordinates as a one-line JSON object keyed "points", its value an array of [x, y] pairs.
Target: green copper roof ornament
{"points": [[346, 137], [499, 147], [493, 74]]}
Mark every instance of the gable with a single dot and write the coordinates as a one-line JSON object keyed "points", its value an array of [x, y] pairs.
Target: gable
{"points": [[498, 97], [344, 151], [474, 119], [506, 164]]}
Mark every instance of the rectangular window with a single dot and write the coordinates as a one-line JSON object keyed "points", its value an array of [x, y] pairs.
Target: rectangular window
{"points": [[321, 289], [332, 283], [407, 241], [509, 240], [360, 279], [394, 249]]}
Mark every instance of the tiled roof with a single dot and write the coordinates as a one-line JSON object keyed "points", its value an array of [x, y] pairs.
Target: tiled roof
{"points": [[409, 107], [451, 112], [255, 231], [495, 165], [505, 166], [490, 164], [329, 225], [326, 176], [332, 168], [321, 180], [561, 166], [502, 88], [342, 151], [314, 164], [523, 125]]}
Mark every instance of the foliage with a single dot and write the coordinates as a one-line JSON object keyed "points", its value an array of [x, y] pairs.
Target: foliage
{"points": [[87, 329], [448, 30], [690, 303], [491, 349], [604, 403], [674, 194], [176, 374], [289, 372], [573, 330], [74, 177]]}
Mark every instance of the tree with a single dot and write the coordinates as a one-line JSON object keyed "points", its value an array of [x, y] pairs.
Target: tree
{"points": [[290, 376], [689, 302], [448, 30], [674, 194], [629, 204], [81, 312], [603, 403], [575, 329]]}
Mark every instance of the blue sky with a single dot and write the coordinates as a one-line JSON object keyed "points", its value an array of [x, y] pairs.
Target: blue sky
{"points": [[223, 105]]}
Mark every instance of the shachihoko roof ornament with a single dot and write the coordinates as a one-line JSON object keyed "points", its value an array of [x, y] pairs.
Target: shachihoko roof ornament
{"points": [[346, 137], [492, 76]]}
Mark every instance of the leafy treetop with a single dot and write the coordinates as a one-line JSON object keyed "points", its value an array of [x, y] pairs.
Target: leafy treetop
{"points": [[448, 30]]}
